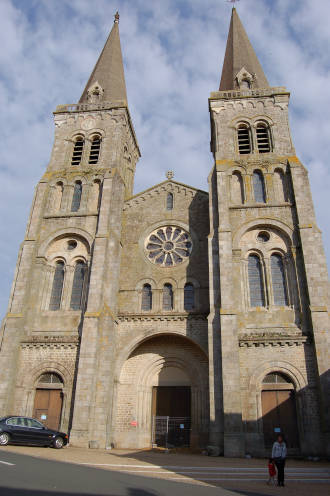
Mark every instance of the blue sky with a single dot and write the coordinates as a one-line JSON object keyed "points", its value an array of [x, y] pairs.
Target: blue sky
{"points": [[173, 54]]}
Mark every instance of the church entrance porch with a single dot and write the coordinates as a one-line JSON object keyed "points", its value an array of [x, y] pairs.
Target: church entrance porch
{"points": [[162, 395], [171, 408]]}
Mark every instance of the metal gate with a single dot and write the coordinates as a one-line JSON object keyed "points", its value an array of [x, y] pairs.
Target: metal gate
{"points": [[171, 431]]}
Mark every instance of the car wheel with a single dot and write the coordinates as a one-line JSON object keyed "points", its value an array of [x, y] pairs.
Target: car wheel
{"points": [[4, 439], [58, 442]]}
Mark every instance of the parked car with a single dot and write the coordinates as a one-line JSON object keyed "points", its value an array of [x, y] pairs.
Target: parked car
{"points": [[25, 430]]}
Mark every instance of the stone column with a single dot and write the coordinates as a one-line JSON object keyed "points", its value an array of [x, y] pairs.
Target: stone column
{"points": [[232, 409]]}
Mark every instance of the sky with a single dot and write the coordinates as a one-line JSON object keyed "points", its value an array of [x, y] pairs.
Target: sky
{"points": [[173, 52]]}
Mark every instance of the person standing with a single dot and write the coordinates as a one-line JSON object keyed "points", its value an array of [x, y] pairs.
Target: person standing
{"points": [[279, 457]]}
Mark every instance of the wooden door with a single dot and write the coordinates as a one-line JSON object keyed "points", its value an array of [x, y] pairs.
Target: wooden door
{"points": [[48, 407], [279, 416], [171, 401]]}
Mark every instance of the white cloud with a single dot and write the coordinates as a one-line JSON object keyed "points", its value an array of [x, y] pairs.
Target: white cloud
{"points": [[173, 53]]}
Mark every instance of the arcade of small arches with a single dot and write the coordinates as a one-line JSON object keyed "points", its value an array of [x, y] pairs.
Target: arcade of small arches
{"points": [[277, 189], [168, 300], [73, 197]]}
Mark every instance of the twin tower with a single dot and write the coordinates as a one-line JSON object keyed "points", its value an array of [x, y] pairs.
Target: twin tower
{"points": [[208, 310]]}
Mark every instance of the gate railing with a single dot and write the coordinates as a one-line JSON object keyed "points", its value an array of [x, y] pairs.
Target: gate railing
{"points": [[171, 431]]}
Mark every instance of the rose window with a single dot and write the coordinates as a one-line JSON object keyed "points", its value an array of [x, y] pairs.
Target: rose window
{"points": [[168, 246]]}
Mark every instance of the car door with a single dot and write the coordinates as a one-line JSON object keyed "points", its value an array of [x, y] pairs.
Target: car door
{"points": [[36, 432], [16, 428]]}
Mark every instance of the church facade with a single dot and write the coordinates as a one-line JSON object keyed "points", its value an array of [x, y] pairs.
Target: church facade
{"points": [[173, 316]]}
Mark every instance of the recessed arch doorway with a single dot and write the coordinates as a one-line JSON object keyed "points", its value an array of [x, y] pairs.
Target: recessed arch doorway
{"points": [[165, 376]]}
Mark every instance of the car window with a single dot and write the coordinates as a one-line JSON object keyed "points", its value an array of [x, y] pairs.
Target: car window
{"points": [[34, 423], [21, 422], [12, 421]]}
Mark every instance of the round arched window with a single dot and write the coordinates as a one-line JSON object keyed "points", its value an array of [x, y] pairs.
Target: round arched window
{"points": [[50, 378]]}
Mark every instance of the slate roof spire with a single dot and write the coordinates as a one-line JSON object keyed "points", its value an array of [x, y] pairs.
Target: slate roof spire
{"points": [[240, 55], [107, 81]]}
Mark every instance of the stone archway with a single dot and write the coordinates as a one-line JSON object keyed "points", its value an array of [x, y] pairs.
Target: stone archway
{"points": [[166, 360]]}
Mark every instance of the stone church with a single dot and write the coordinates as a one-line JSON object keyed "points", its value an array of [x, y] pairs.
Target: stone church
{"points": [[174, 316]]}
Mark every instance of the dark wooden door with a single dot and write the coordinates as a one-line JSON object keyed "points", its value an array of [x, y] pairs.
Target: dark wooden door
{"points": [[171, 401], [279, 413], [48, 403]]}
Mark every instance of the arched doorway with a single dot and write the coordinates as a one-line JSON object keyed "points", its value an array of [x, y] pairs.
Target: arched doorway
{"points": [[171, 407], [48, 400], [165, 376], [279, 415]]}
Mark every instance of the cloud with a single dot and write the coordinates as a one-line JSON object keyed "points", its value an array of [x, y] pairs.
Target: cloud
{"points": [[173, 52]]}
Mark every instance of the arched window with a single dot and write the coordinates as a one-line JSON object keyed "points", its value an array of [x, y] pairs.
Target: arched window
{"points": [[95, 195], [77, 151], [244, 139], [56, 295], [280, 188], [169, 201], [189, 296], [277, 378], [76, 199], [245, 84], [146, 303], [259, 187], [167, 297], [58, 194], [263, 138], [256, 282], [280, 293], [50, 378], [237, 188], [78, 285], [95, 150]]}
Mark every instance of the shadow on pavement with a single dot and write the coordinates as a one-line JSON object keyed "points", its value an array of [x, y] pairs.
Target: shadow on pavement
{"points": [[10, 491]]}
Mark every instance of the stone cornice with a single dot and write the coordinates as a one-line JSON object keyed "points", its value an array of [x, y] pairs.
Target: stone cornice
{"points": [[159, 318], [273, 338], [51, 342]]}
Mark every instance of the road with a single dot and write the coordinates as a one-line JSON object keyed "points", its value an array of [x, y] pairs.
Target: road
{"points": [[22, 475], [96, 473]]}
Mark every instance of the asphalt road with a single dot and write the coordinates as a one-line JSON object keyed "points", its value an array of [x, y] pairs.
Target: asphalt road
{"points": [[22, 475]]}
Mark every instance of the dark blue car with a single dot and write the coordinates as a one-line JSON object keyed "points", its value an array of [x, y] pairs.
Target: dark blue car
{"points": [[25, 430]]}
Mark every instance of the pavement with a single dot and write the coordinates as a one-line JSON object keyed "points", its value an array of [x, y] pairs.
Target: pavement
{"points": [[33, 471]]}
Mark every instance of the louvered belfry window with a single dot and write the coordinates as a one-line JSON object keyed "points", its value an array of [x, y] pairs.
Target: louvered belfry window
{"points": [[189, 296], [278, 280], [259, 187], [78, 286], [244, 139], [76, 199], [169, 201], [95, 150], [263, 138], [168, 297], [256, 283], [56, 295], [146, 303], [77, 151]]}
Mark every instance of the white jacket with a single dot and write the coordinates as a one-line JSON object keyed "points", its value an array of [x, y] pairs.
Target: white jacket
{"points": [[279, 450]]}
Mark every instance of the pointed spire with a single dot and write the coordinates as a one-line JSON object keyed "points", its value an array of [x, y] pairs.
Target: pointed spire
{"points": [[107, 81], [240, 55]]}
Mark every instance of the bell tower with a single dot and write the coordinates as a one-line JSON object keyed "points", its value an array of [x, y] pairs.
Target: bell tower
{"points": [[64, 295], [268, 274]]}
